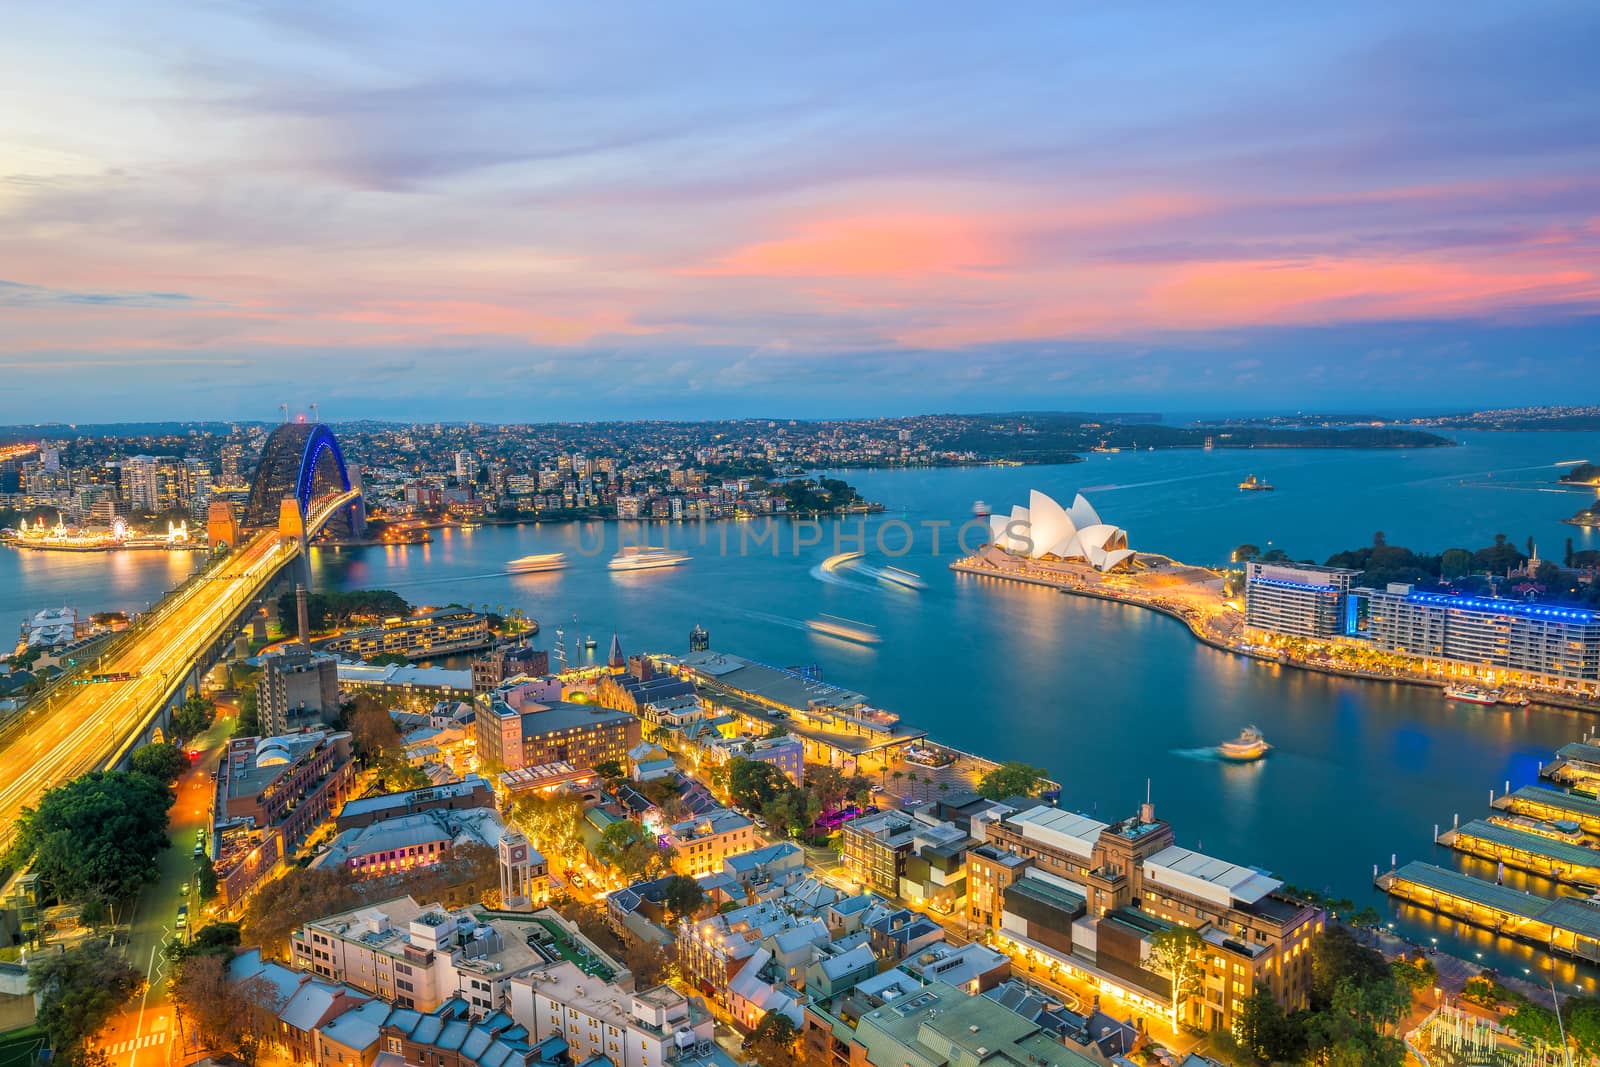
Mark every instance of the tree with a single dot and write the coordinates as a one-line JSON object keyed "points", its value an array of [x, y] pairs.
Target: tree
{"points": [[612, 771], [227, 1015], [1265, 1031], [194, 716], [1245, 553], [771, 1043], [1011, 779], [828, 784], [634, 853], [162, 761], [1175, 955], [283, 905], [753, 784], [80, 988], [206, 879], [683, 896], [1455, 563], [249, 722], [96, 838], [553, 824], [372, 729]]}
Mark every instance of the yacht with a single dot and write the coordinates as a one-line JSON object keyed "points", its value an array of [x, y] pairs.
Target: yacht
{"points": [[643, 558], [1249, 745], [544, 561], [590, 643], [1254, 484], [1471, 694], [980, 509]]}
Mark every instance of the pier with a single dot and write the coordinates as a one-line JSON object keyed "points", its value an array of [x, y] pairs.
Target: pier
{"points": [[1552, 805], [1577, 764], [1535, 853], [1569, 926]]}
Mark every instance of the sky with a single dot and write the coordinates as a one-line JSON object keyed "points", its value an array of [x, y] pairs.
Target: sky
{"points": [[534, 212]]}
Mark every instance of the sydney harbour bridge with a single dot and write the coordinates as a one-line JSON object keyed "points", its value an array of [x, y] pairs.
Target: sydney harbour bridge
{"points": [[93, 716]]}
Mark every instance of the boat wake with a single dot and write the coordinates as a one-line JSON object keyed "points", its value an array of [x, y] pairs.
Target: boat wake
{"points": [[1203, 755]]}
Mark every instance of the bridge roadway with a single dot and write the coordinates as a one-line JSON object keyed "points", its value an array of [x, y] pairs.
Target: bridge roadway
{"points": [[91, 726]]}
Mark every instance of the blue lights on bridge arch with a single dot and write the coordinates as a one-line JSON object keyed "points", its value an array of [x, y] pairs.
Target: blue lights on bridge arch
{"points": [[321, 440]]}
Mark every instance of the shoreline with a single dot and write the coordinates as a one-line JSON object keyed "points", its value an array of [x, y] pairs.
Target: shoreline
{"points": [[1550, 700]]}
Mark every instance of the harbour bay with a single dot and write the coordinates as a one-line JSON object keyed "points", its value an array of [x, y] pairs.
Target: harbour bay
{"points": [[1102, 695]]}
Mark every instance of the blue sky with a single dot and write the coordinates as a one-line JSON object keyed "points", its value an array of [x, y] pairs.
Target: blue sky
{"points": [[536, 212]]}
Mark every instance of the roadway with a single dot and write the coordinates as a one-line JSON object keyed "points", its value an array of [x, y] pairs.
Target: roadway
{"points": [[85, 727], [145, 1031]]}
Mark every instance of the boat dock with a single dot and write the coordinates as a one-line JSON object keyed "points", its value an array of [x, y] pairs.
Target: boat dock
{"points": [[1577, 764], [1566, 925], [1561, 861], [1552, 805]]}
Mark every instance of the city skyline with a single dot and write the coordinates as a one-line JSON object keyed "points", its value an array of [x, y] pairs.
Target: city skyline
{"points": [[720, 211]]}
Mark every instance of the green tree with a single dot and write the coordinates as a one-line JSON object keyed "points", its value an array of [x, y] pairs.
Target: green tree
{"points": [[1175, 955], [772, 1042], [1582, 1016], [163, 761], [283, 905], [249, 723], [612, 771], [753, 784], [1532, 1023], [79, 989], [206, 879], [1265, 1031], [683, 896], [95, 839], [635, 854], [1010, 779], [194, 717], [553, 823], [1455, 563]]}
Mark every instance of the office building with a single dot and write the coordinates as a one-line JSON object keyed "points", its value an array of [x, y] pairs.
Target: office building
{"points": [[297, 689], [471, 792], [910, 855], [1297, 599]]}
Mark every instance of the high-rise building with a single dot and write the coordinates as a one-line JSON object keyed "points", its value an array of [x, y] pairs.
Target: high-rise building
{"points": [[233, 466], [1538, 642], [1297, 599], [297, 689], [466, 465], [141, 483]]}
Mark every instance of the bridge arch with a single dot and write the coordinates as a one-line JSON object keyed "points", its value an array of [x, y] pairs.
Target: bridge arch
{"points": [[303, 461]]}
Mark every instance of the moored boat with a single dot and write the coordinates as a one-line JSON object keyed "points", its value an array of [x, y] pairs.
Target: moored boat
{"points": [[1249, 745], [1471, 694]]}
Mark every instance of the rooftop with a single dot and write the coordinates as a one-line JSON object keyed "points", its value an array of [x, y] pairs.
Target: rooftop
{"points": [[1215, 880]]}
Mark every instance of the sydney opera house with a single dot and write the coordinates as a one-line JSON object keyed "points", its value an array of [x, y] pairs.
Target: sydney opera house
{"points": [[1044, 530]]}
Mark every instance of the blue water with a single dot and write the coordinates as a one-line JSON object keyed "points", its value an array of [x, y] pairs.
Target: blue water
{"points": [[1103, 696]]}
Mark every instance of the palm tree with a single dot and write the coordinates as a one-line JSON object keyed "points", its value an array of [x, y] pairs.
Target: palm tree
{"points": [[944, 787], [911, 782], [897, 776]]}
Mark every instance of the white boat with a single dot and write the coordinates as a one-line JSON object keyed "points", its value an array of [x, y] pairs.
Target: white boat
{"points": [[1471, 694], [843, 629], [641, 558], [544, 561], [1249, 745], [980, 509]]}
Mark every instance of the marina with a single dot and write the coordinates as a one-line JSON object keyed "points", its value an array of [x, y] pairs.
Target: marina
{"points": [[1558, 860], [1567, 926]]}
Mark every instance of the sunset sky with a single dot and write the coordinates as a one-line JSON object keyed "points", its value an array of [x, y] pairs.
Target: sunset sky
{"points": [[538, 211]]}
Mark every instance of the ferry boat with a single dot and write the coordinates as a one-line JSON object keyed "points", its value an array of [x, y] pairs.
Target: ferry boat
{"points": [[1471, 694], [844, 629], [980, 509], [590, 643], [1254, 484], [897, 576], [543, 561], [641, 558], [1248, 746]]}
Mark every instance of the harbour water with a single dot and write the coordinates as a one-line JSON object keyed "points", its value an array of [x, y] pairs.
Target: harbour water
{"points": [[1102, 695]]}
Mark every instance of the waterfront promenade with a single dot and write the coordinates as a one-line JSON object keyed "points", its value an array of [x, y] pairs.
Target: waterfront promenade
{"points": [[1195, 596]]}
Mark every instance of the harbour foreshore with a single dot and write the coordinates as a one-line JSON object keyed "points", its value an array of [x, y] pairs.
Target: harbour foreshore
{"points": [[1212, 623]]}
